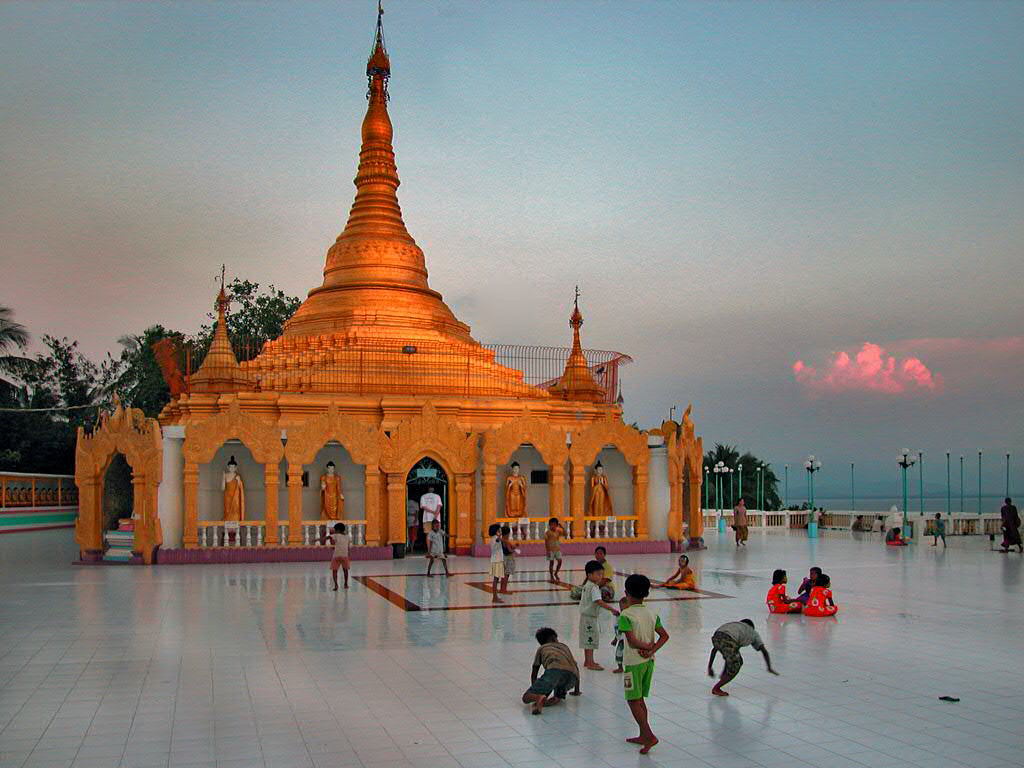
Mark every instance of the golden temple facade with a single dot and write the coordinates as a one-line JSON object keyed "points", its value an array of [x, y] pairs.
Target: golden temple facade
{"points": [[375, 370]]}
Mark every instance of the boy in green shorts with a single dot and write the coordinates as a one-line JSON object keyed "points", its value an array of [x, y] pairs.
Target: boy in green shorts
{"points": [[644, 637]]}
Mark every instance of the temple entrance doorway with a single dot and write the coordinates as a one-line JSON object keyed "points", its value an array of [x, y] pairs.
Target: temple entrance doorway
{"points": [[425, 475], [118, 507]]}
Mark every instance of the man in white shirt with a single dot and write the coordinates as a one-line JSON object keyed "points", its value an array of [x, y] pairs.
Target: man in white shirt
{"points": [[430, 503], [412, 514]]}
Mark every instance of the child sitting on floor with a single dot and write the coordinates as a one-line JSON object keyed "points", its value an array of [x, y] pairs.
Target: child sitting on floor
{"points": [[560, 673], [803, 594], [894, 538], [683, 578], [778, 601], [821, 603]]}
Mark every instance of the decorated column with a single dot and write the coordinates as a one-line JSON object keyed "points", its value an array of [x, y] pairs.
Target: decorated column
{"points": [[640, 499], [396, 529], [460, 513], [489, 488], [89, 525], [270, 480], [190, 539], [556, 492], [371, 482], [294, 506], [577, 479]]}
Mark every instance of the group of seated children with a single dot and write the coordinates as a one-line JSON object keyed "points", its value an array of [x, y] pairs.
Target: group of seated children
{"points": [[814, 598]]}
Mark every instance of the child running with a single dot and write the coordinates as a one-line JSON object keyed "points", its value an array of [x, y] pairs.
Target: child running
{"points": [[939, 530], [552, 545], [777, 599], [497, 561], [619, 640], [727, 640], [644, 637], [590, 602], [340, 559], [435, 548], [683, 578], [560, 673], [509, 551]]}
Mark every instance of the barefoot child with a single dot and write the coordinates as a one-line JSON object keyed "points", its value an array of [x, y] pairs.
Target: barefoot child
{"points": [[644, 636], [340, 559], [803, 593], [560, 673], [683, 577], [497, 561], [821, 602], [435, 548], [939, 530], [590, 602], [619, 641], [727, 640], [552, 545], [509, 552]]}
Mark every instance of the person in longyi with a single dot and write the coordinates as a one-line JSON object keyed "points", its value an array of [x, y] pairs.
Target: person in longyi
{"points": [[600, 498], [515, 494], [234, 492], [332, 500]]}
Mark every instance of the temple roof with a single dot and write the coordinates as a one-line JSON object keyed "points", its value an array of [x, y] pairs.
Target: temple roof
{"points": [[577, 382], [220, 371]]}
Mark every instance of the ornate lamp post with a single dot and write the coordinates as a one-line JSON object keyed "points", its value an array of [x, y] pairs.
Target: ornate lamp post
{"points": [[719, 470], [949, 499], [739, 469], [979, 482], [1007, 474], [812, 465], [906, 461], [759, 488], [961, 485], [732, 497], [920, 479], [707, 487], [853, 494], [785, 492]]}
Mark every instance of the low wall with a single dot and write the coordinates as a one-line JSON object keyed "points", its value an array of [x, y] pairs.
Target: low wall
{"points": [[21, 519], [573, 548]]}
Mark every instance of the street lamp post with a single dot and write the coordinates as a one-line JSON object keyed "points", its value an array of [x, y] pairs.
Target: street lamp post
{"points": [[720, 469], [739, 469], [707, 487], [961, 485], [785, 492], [1007, 474], [906, 461], [732, 497], [920, 479], [949, 501], [853, 491], [812, 465], [979, 482]]}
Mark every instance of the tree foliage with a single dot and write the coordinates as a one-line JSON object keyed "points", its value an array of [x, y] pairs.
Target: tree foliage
{"points": [[730, 456]]}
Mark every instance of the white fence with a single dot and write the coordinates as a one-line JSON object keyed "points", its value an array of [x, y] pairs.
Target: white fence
{"points": [[956, 524], [252, 533]]}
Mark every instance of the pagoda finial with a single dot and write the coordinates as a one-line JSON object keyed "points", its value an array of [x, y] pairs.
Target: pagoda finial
{"points": [[378, 66], [576, 319], [577, 381], [222, 302]]}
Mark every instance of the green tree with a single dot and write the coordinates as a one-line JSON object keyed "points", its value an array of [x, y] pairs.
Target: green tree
{"points": [[730, 456], [13, 336], [140, 383]]}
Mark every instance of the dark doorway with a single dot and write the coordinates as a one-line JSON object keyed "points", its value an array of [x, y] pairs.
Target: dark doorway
{"points": [[426, 474]]}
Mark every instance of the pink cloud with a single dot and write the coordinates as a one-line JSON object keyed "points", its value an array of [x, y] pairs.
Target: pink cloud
{"points": [[870, 369]]}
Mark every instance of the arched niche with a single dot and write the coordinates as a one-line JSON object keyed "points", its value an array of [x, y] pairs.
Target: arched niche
{"points": [[127, 432]]}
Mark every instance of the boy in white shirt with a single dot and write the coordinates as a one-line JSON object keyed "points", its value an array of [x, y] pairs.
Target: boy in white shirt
{"points": [[590, 602], [497, 561]]}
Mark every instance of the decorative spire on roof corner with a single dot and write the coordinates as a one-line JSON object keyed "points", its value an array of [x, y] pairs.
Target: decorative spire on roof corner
{"points": [[577, 381], [220, 371]]}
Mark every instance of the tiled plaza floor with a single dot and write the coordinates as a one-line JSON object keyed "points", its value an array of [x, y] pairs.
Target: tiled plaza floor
{"points": [[262, 665]]}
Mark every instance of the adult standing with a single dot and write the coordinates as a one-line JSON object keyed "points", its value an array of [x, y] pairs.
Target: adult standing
{"points": [[1011, 526], [430, 503], [739, 523], [412, 520]]}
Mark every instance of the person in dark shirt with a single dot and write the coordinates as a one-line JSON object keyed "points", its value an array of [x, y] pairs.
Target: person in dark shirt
{"points": [[1011, 526]]}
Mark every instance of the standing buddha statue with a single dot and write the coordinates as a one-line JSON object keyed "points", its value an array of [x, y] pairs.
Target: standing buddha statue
{"points": [[600, 498], [332, 500], [515, 493], [234, 492]]}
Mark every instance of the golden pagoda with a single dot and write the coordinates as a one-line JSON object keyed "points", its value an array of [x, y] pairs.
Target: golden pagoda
{"points": [[374, 375]]}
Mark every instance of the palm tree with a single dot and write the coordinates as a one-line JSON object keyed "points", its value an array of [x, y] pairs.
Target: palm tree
{"points": [[730, 456], [13, 336]]}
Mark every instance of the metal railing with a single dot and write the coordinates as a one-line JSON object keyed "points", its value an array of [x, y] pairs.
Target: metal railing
{"points": [[326, 364], [19, 489]]}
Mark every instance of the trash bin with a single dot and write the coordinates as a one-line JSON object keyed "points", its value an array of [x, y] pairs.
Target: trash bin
{"points": [[721, 524], [398, 551], [812, 530]]}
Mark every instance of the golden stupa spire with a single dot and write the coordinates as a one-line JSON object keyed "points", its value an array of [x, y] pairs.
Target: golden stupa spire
{"points": [[375, 279], [577, 382], [220, 371]]}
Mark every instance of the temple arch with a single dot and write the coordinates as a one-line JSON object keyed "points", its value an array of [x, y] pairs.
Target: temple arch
{"points": [[499, 446], [138, 439], [429, 433], [586, 446], [205, 440]]}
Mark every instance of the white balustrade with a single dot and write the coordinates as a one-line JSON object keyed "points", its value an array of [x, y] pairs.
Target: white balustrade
{"points": [[253, 534], [314, 533]]}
